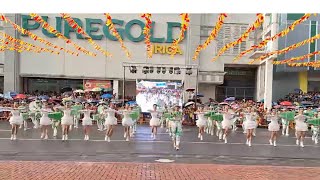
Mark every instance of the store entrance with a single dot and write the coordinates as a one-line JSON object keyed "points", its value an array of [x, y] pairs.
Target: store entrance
{"points": [[239, 83]]}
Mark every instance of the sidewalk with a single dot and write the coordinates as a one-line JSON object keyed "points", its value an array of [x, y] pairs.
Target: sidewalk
{"points": [[16, 170]]}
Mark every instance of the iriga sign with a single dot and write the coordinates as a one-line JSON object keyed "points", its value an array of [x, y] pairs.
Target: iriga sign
{"points": [[92, 26]]}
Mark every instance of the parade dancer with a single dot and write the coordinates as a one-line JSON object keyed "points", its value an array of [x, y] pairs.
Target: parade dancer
{"points": [[76, 115], [25, 115], [86, 121], [126, 122], [201, 122], [301, 127], [250, 124], [56, 117], [154, 122], [273, 127], [176, 127], [110, 121], [35, 114], [315, 133], [15, 121], [285, 125], [100, 116], [226, 123], [66, 121], [134, 116], [45, 121]]}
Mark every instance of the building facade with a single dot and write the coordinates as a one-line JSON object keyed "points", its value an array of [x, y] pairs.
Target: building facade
{"points": [[27, 71]]}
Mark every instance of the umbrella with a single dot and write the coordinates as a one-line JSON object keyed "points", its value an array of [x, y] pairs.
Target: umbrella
{"points": [[223, 103], [230, 99], [190, 90], [97, 89], [107, 96], [188, 104], [1, 95], [66, 89], [79, 91], [277, 106], [132, 102], [306, 102], [200, 95], [45, 97], [32, 97], [20, 96], [67, 93], [291, 107], [286, 103], [261, 101]]}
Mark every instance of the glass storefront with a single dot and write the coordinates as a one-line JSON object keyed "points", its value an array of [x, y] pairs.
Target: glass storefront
{"points": [[1, 84], [238, 83], [32, 85]]}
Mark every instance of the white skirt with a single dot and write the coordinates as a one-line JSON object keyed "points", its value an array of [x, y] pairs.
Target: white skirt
{"points": [[45, 121], [127, 122], [273, 126], [301, 126], [67, 120], [154, 122], [250, 124], [201, 123], [86, 122], [226, 124], [16, 120], [111, 121]]}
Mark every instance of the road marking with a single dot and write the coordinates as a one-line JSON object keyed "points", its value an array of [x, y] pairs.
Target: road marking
{"points": [[183, 142]]}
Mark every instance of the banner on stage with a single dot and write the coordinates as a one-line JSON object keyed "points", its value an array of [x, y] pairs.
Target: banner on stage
{"points": [[89, 84]]}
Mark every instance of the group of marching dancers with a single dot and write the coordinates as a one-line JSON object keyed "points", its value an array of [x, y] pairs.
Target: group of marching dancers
{"points": [[68, 116], [225, 119], [219, 121]]}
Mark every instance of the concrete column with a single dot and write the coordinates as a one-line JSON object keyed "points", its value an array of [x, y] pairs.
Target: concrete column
{"points": [[116, 88], [258, 85], [12, 80], [193, 40], [268, 78], [268, 84]]}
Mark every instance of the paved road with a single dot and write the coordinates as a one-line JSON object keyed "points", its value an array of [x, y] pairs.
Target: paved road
{"points": [[143, 149]]}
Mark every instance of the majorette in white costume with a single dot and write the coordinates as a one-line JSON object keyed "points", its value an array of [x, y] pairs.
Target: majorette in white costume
{"points": [[273, 126], [201, 122], [86, 121], [250, 124], [155, 121], [110, 121], [226, 123], [45, 121], [126, 121], [66, 121], [301, 127]]}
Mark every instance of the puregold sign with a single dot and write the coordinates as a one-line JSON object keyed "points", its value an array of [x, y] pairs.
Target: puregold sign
{"points": [[164, 49]]}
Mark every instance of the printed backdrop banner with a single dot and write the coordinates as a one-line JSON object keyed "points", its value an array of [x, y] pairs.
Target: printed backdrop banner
{"points": [[89, 84]]}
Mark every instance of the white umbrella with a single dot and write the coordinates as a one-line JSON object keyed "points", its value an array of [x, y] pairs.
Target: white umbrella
{"points": [[79, 91]]}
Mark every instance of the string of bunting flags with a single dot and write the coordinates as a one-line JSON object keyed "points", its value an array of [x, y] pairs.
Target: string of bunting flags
{"points": [[315, 64], [268, 39], [258, 22], [74, 25], [212, 36], [115, 33], [296, 58], [287, 49], [184, 26], [146, 32], [16, 47], [58, 34], [35, 37], [30, 47]]}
